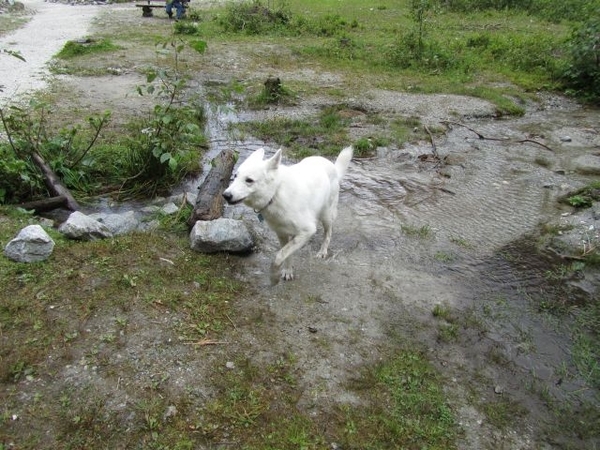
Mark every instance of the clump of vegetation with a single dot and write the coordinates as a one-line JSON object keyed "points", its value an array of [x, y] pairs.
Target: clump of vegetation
{"points": [[582, 74], [254, 18], [73, 49], [584, 197], [274, 92], [157, 153], [67, 151], [325, 134]]}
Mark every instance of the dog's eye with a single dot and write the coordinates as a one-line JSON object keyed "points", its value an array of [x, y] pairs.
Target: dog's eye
{"points": [[249, 180]]}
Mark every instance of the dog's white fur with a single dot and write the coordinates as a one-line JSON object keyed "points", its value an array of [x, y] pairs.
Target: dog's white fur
{"points": [[292, 199]]}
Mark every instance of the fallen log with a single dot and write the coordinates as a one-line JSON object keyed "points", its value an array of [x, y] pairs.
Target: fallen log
{"points": [[209, 202], [46, 204], [53, 183]]}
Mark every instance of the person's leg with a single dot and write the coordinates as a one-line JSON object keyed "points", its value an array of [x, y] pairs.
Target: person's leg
{"points": [[169, 9], [180, 9]]}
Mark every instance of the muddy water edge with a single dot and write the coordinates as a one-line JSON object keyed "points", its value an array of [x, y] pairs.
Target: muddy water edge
{"points": [[448, 250]]}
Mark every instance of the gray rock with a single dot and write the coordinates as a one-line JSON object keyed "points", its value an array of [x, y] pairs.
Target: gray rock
{"points": [[169, 208], [587, 165], [83, 228], [32, 244], [118, 223], [221, 235]]}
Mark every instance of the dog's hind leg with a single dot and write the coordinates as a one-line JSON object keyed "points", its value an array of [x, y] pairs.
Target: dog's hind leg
{"points": [[327, 230], [281, 267], [327, 221]]}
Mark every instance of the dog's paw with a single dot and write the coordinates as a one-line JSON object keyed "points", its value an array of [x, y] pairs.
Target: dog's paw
{"points": [[278, 274], [287, 274], [322, 254]]}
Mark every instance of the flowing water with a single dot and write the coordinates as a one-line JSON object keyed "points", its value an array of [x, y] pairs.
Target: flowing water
{"points": [[415, 231]]}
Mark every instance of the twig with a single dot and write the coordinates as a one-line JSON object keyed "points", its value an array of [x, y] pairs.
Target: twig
{"points": [[433, 147], [482, 137], [229, 318], [204, 342]]}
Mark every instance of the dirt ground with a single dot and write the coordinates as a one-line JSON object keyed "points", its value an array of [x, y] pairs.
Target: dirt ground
{"points": [[482, 208]]}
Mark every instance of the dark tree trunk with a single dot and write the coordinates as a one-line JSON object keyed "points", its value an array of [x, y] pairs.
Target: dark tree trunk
{"points": [[46, 204], [209, 203], [53, 183]]}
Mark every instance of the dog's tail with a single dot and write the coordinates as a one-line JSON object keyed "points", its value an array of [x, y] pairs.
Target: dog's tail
{"points": [[343, 161]]}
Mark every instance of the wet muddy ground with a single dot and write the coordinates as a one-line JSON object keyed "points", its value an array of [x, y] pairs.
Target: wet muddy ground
{"points": [[458, 230]]}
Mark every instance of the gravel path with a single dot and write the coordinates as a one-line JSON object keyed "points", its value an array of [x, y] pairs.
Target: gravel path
{"points": [[51, 25]]}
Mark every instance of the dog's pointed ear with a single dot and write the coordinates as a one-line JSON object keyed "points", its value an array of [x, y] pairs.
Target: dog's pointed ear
{"points": [[256, 155], [274, 161]]}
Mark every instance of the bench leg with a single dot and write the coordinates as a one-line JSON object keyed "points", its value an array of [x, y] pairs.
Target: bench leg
{"points": [[146, 11]]}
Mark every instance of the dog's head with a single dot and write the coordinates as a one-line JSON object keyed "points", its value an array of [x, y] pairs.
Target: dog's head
{"points": [[254, 181]]}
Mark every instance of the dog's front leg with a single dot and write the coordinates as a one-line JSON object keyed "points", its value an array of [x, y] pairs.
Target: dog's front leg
{"points": [[281, 267]]}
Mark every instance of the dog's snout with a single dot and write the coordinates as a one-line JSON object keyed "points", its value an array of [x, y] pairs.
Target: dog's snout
{"points": [[227, 196]]}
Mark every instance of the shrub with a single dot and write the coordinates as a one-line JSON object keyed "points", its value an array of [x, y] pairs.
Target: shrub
{"points": [[582, 75], [19, 181], [253, 17]]}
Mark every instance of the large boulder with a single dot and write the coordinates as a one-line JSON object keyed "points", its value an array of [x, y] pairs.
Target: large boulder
{"points": [[83, 228], [32, 244], [221, 235], [118, 223]]}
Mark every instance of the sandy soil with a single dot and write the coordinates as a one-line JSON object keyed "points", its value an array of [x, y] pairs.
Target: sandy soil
{"points": [[51, 25]]}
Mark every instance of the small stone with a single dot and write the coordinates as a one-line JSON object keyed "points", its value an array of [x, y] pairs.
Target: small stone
{"points": [[230, 365]]}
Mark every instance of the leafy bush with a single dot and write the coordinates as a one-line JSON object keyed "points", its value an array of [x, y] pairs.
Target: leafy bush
{"points": [[582, 75], [186, 27], [164, 152], [66, 151], [253, 17], [19, 181], [409, 52]]}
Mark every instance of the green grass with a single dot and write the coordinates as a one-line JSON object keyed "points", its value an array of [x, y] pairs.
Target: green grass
{"points": [[325, 134], [406, 407], [82, 310], [512, 49], [422, 232], [73, 49]]}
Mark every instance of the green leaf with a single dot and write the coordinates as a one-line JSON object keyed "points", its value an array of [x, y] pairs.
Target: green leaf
{"points": [[199, 46], [164, 157], [172, 164], [151, 77]]}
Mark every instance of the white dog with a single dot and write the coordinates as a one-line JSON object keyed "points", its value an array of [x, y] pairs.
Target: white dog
{"points": [[292, 199]]}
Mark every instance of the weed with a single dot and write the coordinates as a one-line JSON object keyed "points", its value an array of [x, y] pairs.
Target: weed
{"points": [[441, 311], [580, 201], [503, 412], [444, 257], [460, 241], [422, 232], [448, 332]]}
